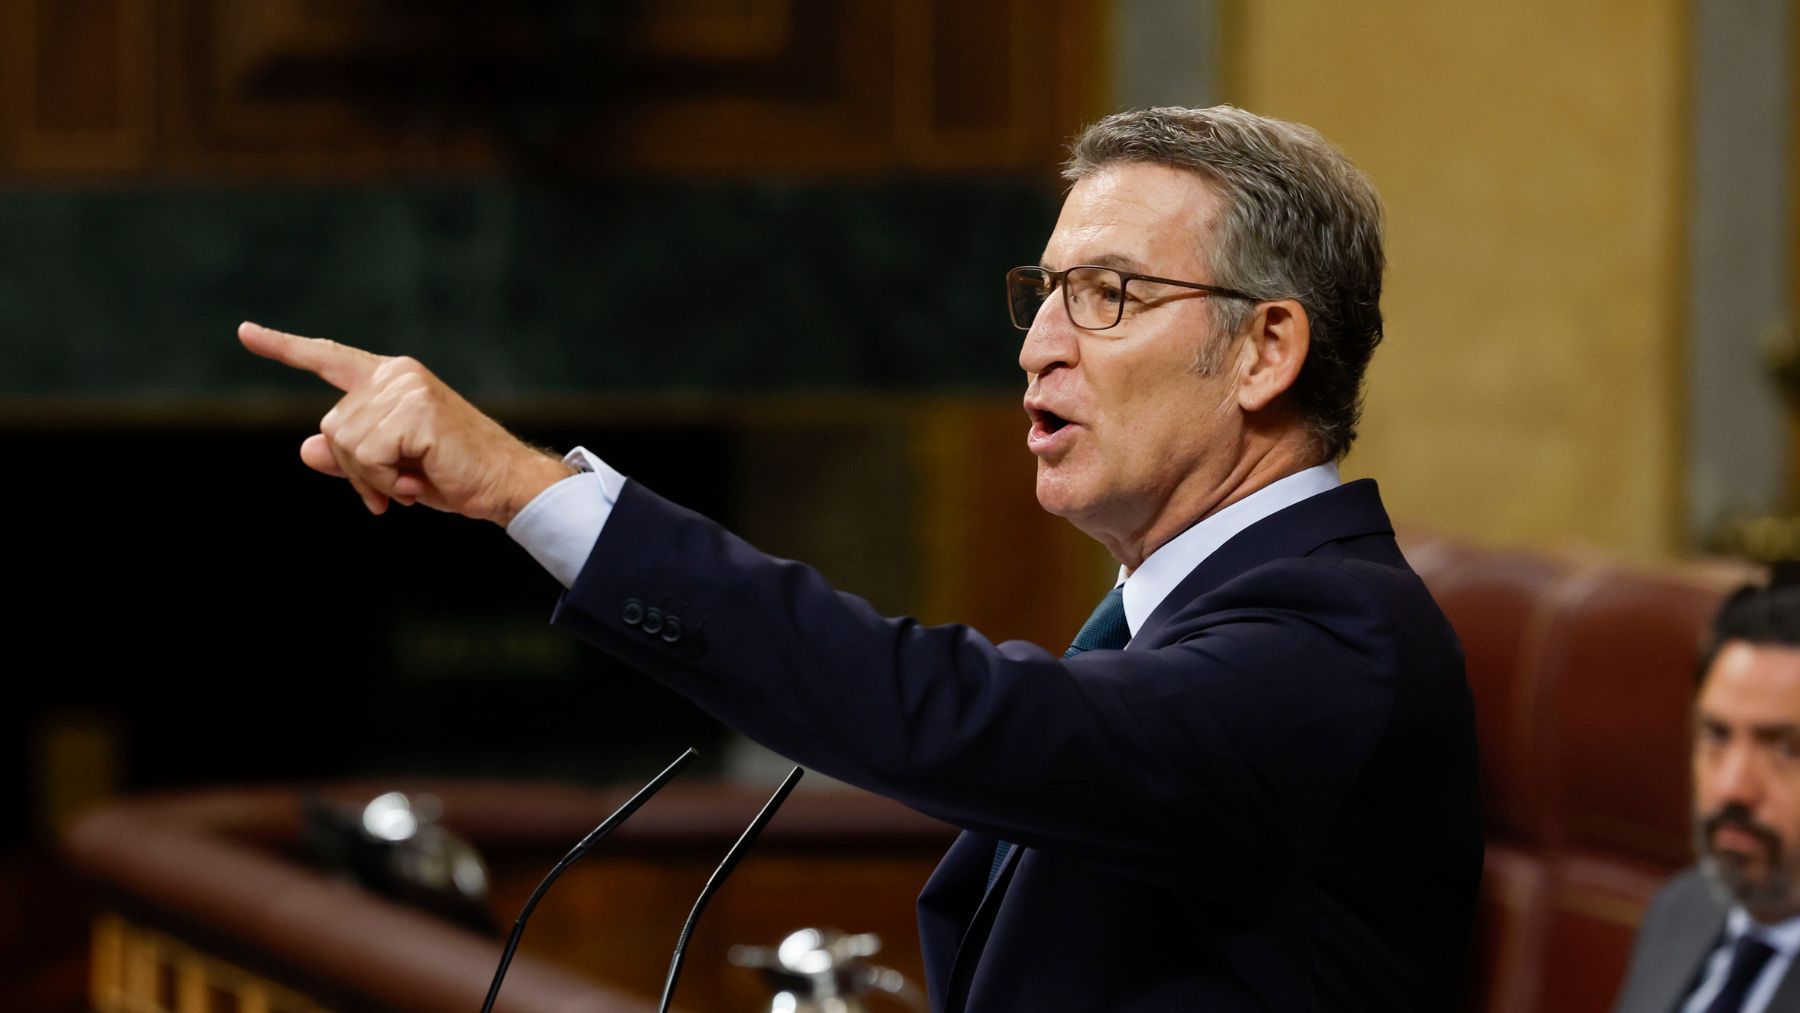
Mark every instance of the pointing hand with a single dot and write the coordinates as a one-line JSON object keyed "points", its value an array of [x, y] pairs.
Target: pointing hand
{"points": [[399, 433]]}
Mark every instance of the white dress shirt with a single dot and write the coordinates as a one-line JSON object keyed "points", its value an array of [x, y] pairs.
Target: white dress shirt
{"points": [[1151, 582], [1784, 938], [560, 527]]}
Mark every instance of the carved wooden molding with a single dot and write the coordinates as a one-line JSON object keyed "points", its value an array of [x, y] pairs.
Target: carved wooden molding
{"points": [[79, 82], [337, 89]]}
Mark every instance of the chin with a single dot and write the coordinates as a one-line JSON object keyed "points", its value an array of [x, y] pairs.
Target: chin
{"points": [[1767, 892], [1055, 495]]}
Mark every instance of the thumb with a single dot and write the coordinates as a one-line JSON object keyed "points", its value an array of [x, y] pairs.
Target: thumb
{"points": [[316, 454]]}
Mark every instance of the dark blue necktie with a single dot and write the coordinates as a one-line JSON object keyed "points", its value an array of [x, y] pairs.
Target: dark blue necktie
{"points": [[1747, 960], [1105, 630]]}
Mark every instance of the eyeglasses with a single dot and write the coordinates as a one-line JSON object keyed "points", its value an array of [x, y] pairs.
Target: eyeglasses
{"points": [[1094, 296]]}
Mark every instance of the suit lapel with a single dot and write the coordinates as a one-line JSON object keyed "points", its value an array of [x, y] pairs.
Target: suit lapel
{"points": [[1674, 953], [956, 913], [1351, 509], [1787, 994], [1678, 965], [974, 940], [948, 904]]}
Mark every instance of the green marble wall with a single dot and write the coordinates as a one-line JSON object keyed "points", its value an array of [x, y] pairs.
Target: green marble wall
{"points": [[510, 289]]}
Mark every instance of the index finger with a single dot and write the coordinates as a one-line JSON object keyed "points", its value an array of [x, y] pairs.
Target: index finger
{"points": [[340, 365]]}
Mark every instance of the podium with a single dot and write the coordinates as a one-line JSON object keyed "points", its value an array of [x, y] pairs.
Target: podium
{"points": [[212, 905]]}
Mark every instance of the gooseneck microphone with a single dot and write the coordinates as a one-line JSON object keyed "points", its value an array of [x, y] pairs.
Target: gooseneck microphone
{"points": [[718, 878], [619, 816]]}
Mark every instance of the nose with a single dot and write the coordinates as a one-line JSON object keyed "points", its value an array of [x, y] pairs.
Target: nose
{"points": [[1737, 778], [1051, 341]]}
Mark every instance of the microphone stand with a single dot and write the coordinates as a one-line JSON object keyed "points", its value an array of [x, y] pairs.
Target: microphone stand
{"points": [[718, 877], [619, 816]]}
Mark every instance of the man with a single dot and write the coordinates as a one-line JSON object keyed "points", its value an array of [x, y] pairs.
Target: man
{"points": [[1721, 938], [1250, 784]]}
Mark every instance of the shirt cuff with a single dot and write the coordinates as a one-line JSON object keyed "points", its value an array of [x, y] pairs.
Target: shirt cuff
{"points": [[560, 527]]}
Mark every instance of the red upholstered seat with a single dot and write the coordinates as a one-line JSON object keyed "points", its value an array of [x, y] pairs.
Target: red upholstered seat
{"points": [[1583, 676]]}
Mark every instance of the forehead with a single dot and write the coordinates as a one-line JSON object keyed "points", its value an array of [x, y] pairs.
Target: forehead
{"points": [[1149, 218], [1753, 683]]}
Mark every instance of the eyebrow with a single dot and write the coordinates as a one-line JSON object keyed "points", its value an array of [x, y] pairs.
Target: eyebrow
{"points": [[1762, 732], [1115, 260]]}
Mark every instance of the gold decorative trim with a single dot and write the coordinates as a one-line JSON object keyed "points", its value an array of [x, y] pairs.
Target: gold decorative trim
{"points": [[140, 970]]}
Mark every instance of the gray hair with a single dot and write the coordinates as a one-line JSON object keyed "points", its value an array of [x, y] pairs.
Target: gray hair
{"points": [[1298, 221]]}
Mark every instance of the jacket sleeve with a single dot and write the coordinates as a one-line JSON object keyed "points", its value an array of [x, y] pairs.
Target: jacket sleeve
{"points": [[1233, 744]]}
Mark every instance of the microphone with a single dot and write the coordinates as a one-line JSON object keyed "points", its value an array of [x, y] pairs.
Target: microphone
{"points": [[718, 877], [619, 816]]}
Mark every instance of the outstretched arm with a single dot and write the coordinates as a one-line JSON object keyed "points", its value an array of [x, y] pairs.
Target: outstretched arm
{"points": [[401, 434]]}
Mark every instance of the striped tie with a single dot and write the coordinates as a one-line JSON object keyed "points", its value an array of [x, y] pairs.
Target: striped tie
{"points": [[1105, 630]]}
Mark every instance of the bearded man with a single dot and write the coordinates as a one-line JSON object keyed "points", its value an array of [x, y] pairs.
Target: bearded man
{"points": [[1721, 938]]}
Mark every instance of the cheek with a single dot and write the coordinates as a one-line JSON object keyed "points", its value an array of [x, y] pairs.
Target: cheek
{"points": [[1707, 797], [1174, 423], [1783, 812], [1157, 413]]}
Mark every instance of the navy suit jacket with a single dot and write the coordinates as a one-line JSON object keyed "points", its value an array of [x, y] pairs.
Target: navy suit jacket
{"points": [[1268, 802]]}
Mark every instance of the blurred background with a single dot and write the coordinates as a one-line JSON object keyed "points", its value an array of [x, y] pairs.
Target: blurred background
{"points": [[752, 251]]}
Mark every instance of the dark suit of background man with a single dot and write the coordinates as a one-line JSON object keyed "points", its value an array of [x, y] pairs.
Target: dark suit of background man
{"points": [[1251, 784], [1721, 938]]}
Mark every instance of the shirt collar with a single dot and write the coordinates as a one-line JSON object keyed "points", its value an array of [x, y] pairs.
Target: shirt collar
{"points": [[1146, 587], [1783, 936]]}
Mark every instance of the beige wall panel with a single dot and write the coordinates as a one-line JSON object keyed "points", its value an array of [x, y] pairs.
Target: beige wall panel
{"points": [[1531, 158]]}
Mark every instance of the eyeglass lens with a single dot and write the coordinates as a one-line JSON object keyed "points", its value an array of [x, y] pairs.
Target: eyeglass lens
{"points": [[1094, 296]]}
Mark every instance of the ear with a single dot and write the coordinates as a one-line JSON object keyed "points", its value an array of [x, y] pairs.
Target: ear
{"points": [[1279, 336]]}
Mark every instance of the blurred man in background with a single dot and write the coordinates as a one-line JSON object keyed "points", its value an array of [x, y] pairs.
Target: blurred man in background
{"points": [[1249, 783], [1721, 938]]}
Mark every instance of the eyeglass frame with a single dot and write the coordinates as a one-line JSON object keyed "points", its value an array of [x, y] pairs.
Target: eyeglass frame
{"points": [[1058, 280]]}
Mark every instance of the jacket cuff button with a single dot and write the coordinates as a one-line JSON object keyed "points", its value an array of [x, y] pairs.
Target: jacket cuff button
{"points": [[671, 631], [634, 612], [653, 621], [694, 646]]}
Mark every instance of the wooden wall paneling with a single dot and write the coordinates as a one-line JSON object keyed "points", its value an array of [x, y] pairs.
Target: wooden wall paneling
{"points": [[731, 29], [992, 558], [336, 89], [823, 103], [14, 67], [295, 88], [306, 87], [968, 88], [1081, 90], [80, 83]]}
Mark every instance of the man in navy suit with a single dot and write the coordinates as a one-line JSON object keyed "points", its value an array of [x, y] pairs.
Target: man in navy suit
{"points": [[1250, 782]]}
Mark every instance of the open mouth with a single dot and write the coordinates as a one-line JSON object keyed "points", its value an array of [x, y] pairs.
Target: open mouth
{"points": [[1052, 421]]}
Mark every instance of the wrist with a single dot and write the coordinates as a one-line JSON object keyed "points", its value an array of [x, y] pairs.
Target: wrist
{"points": [[534, 474]]}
